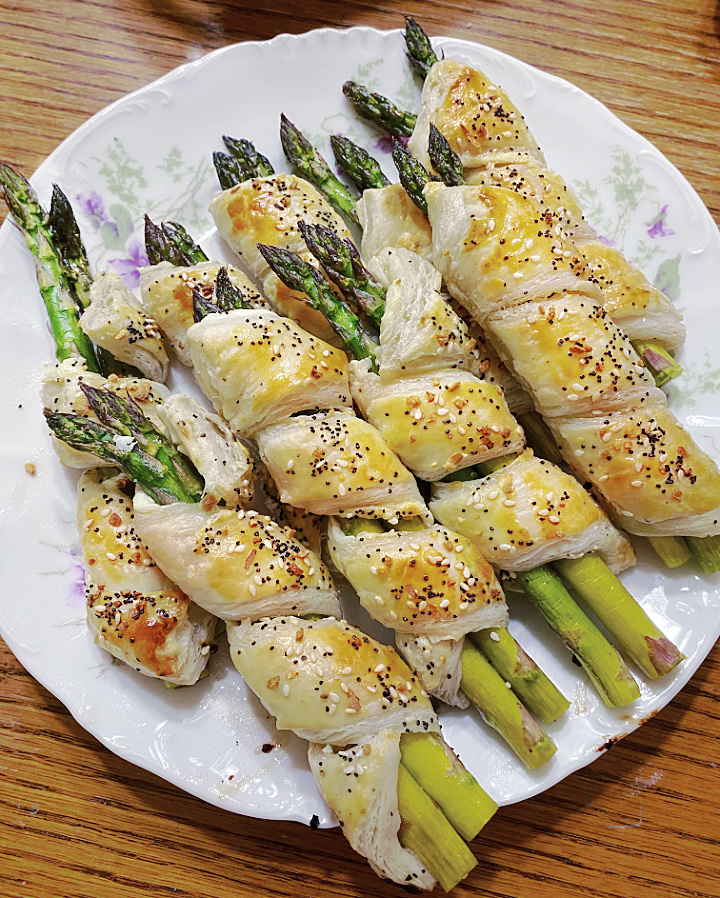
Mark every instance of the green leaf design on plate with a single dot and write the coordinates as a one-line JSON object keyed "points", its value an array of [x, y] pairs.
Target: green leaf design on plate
{"points": [[667, 278], [700, 377]]}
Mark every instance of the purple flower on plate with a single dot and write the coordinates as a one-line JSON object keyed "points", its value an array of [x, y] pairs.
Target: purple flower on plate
{"points": [[93, 206], [657, 227], [128, 269], [76, 591], [385, 144], [605, 240]]}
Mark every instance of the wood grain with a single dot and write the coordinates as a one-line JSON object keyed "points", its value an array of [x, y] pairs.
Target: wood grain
{"points": [[79, 822]]}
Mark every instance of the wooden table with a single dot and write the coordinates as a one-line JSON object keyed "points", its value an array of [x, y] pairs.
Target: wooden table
{"points": [[76, 821]]}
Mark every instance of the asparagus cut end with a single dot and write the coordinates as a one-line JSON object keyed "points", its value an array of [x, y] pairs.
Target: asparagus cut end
{"points": [[426, 832], [442, 775]]}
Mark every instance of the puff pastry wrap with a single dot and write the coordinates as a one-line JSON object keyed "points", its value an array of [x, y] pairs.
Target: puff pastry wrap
{"points": [[390, 220], [116, 320], [333, 462], [134, 611], [529, 286], [425, 399], [167, 294], [352, 698], [496, 147], [267, 210]]}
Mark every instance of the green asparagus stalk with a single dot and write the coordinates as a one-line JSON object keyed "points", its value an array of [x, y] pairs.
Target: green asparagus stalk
{"points": [[158, 481], [379, 110], [23, 202], [314, 168], [301, 276], [706, 551], [357, 164], [604, 666], [531, 685], [124, 417], [426, 831], [673, 551], [191, 252], [252, 163], [445, 160], [419, 50], [540, 438], [66, 236], [437, 769], [487, 687], [341, 262], [68, 241], [658, 361], [228, 170], [620, 614], [500, 708], [227, 295], [170, 242], [412, 174], [203, 305]]}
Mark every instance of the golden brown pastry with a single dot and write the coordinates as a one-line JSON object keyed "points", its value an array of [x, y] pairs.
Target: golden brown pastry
{"points": [[527, 514], [327, 681], [475, 115], [438, 423], [570, 356], [430, 582], [235, 564], [647, 468], [258, 368], [335, 463], [133, 610], [167, 294], [496, 248], [267, 210], [116, 321], [359, 783], [389, 218]]}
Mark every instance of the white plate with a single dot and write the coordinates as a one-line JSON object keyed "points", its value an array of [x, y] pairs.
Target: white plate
{"points": [[150, 152]]}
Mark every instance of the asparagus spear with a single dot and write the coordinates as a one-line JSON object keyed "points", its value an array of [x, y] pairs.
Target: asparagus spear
{"points": [[65, 232], [426, 831], [76, 266], [489, 692], [419, 50], [252, 163], [445, 160], [357, 164], [532, 686], [412, 174], [436, 768], [228, 169], [341, 262], [23, 202], [158, 480], [313, 167], [170, 242], [618, 611], [379, 110], [299, 275], [124, 416], [604, 666]]}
